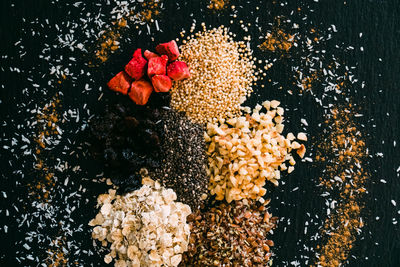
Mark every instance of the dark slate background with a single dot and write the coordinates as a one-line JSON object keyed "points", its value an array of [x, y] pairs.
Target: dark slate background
{"points": [[378, 20]]}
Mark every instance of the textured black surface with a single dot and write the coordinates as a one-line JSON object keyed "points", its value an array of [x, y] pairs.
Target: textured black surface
{"points": [[378, 65]]}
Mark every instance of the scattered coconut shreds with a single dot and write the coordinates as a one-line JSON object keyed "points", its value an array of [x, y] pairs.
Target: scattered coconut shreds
{"points": [[52, 232], [40, 140]]}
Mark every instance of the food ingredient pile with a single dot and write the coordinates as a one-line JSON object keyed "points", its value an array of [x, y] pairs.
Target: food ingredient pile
{"points": [[230, 235], [246, 151], [125, 139], [147, 72], [146, 227], [183, 158], [220, 81]]}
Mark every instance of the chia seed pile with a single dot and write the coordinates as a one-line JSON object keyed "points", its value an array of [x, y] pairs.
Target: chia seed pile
{"points": [[183, 166]]}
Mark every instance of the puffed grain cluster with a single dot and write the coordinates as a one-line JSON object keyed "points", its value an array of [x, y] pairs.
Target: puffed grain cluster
{"points": [[246, 151], [234, 234], [145, 227], [222, 74]]}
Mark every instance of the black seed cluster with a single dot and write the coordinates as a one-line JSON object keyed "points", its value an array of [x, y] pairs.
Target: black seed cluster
{"points": [[125, 139], [128, 138], [183, 164]]}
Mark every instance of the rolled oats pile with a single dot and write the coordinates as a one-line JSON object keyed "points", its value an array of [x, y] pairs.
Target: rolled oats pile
{"points": [[245, 152], [146, 227]]}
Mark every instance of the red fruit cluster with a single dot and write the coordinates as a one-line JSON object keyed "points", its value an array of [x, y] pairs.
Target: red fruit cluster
{"points": [[142, 75]]}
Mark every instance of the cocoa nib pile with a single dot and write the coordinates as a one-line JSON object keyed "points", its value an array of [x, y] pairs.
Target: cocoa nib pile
{"points": [[128, 138]]}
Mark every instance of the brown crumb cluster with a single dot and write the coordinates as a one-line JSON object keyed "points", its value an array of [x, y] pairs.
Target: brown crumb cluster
{"points": [[278, 40], [47, 130], [232, 234], [218, 4], [109, 40], [56, 254], [151, 9], [344, 173], [222, 74]]}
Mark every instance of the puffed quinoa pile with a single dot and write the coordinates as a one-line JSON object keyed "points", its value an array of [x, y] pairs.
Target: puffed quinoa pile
{"points": [[145, 227], [245, 151], [222, 74]]}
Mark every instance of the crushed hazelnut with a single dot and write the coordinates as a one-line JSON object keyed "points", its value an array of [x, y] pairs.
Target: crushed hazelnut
{"points": [[246, 151]]}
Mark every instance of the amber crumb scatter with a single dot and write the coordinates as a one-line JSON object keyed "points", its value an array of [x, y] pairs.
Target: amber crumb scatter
{"points": [[47, 131], [150, 10], [48, 134], [56, 254], [343, 173], [278, 40], [307, 82], [218, 4], [109, 40]]}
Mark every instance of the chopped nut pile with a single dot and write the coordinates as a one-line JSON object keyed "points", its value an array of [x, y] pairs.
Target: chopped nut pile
{"points": [[246, 151], [222, 73], [232, 234], [145, 228]]}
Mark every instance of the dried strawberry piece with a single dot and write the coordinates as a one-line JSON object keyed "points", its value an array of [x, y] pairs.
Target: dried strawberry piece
{"points": [[170, 49], [161, 83], [157, 66], [148, 54], [140, 92], [136, 68], [120, 83], [178, 70]]}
